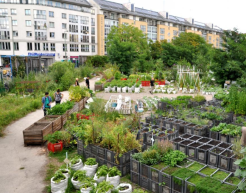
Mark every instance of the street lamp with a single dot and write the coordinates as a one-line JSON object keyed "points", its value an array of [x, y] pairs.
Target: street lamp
{"points": [[4, 16], [65, 44]]}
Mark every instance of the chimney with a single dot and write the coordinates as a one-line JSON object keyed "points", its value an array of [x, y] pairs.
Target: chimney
{"points": [[164, 14], [132, 7]]}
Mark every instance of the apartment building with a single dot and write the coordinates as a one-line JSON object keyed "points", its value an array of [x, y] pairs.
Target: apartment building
{"points": [[61, 29], [157, 25]]}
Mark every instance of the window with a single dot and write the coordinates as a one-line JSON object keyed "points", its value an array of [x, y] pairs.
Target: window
{"points": [[52, 34], [85, 39], [4, 35], [92, 31], [13, 12], [14, 22], [162, 30], [84, 48], [93, 11], [74, 47], [64, 47], [64, 26], [45, 47], [162, 37], [107, 30], [168, 34], [50, 3], [92, 21], [39, 14], [27, 12], [51, 13], [29, 46], [37, 46], [16, 45], [3, 11], [52, 24], [73, 28], [58, 4], [93, 48], [28, 23], [40, 25], [64, 16], [168, 40], [143, 28], [52, 47], [84, 20], [85, 29], [64, 36], [73, 18], [93, 40], [15, 33], [73, 38], [5, 46]]}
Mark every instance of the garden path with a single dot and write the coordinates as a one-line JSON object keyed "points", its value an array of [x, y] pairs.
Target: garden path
{"points": [[22, 169]]}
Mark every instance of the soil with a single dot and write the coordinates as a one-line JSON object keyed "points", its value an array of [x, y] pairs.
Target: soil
{"points": [[195, 144], [224, 145], [217, 150], [213, 142], [192, 125], [161, 135], [170, 132], [205, 147], [122, 188], [203, 140], [186, 136], [177, 140], [194, 138], [186, 142], [159, 166], [227, 153]]}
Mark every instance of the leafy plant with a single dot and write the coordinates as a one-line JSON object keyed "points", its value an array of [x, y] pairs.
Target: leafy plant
{"points": [[114, 172], [88, 183], [242, 165], [75, 160], [56, 137], [58, 177], [76, 93], [91, 161], [102, 171], [174, 157], [79, 175], [61, 108], [104, 187]]}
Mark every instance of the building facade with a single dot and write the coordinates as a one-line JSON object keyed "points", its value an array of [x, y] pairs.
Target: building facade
{"points": [[157, 25]]}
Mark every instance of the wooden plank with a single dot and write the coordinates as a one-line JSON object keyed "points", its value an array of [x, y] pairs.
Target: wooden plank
{"points": [[39, 132]]}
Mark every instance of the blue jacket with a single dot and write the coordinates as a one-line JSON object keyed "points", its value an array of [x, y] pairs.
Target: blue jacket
{"points": [[43, 101]]}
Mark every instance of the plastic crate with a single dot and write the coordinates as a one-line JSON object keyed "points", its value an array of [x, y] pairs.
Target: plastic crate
{"points": [[125, 169], [233, 167], [177, 187], [195, 138], [182, 127], [165, 189], [213, 135], [144, 182], [135, 178], [165, 178], [225, 160], [190, 128], [192, 150], [134, 164], [223, 138], [202, 153], [87, 154], [204, 140], [144, 170], [101, 161], [154, 174], [175, 142], [200, 173], [101, 152], [183, 145], [93, 149], [200, 130], [213, 157], [222, 180], [154, 186]]}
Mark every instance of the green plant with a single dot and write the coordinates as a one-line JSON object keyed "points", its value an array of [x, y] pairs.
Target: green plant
{"points": [[58, 177], [88, 183], [182, 174], [79, 176], [104, 187], [75, 160], [198, 98], [207, 185], [54, 138], [208, 171], [114, 172], [76, 93], [102, 171], [65, 137], [61, 108], [195, 179], [241, 172], [91, 161], [220, 175], [196, 166], [174, 157], [237, 147], [138, 191], [117, 75]]}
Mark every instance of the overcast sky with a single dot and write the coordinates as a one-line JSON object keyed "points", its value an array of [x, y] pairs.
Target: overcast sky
{"points": [[226, 14]]}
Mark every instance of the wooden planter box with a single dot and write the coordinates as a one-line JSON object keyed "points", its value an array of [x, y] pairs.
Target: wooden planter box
{"points": [[56, 121], [35, 133], [65, 117], [98, 87]]}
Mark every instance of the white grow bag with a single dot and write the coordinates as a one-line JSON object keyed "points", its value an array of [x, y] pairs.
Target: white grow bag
{"points": [[115, 181], [90, 170], [77, 166], [58, 187], [129, 190]]}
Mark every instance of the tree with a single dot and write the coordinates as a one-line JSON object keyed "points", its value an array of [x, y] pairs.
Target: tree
{"points": [[125, 44], [97, 61]]}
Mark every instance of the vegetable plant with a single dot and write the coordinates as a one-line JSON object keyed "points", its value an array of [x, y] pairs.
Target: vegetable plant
{"points": [[104, 187], [56, 137], [61, 108], [174, 157], [102, 171], [58, 177], [114, 172], [79, 176], [91, 161]]}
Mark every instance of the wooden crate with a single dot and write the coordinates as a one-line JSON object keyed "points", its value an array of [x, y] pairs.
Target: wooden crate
{"points": [[56, 121], [81, 104], [74, 109], [65, 117], [35, 133]]}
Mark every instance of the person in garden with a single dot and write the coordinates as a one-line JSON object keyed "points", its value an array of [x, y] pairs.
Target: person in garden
{"points": [[87, 82], [58, 96], [46, 102], [152, 84], [77, 82]]}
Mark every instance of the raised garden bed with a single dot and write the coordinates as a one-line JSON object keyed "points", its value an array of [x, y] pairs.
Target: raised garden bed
{"points": [[179, 177], [190, 183], [189, 129], [200, 130], [54, 119], [176, 142], [195, 138], [204, 140], [225, 160], [192, 150], [232, 179], [98, 87], [135, 178], [183, 145], [135, 165], [155, 171], [220, 175], [207, 170], [213, 156], [214, 142], [202, 153], [166, 176], [195, 166], [233, 167], [182, 127]]}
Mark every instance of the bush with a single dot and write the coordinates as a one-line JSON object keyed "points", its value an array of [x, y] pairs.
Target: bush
{"points": [[97, 61], [76, 93], [67, 80], [85, 71]]}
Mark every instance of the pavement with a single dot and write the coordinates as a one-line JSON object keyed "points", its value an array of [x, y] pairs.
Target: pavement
{"points": [[23, 169]]}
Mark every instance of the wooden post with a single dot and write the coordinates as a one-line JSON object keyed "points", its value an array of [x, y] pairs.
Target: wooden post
{"points": [[243, 138]]}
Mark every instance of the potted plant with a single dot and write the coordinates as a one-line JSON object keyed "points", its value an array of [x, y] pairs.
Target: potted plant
{"points": [[124, 188], [124, 87], [114, 176], [90, 167], [107, 87], [66, 137], [130, 84], [55, 143], [76, 163], [101, 174], [59, 182], [113, 86], [119, 85], [104, 187], [137, 88], [78, 178], [65, 172], [87, 185]]}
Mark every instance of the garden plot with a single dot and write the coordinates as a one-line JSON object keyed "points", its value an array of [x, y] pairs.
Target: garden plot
{"points": [[118, 103]]}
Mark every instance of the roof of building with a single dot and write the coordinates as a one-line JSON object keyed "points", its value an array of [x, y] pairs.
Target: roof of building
{"points": [[84, 3], [120, 8]]}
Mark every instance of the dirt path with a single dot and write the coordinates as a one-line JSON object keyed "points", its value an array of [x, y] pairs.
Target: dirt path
{"points": [[22, 169]]}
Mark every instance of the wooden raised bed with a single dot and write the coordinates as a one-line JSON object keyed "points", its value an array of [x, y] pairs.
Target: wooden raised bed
{"points": [[35, 133], [56, 121], [98, 87]]}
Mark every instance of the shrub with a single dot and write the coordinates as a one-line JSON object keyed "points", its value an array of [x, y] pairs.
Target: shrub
{"points": [[67, 80], [76, 93]]}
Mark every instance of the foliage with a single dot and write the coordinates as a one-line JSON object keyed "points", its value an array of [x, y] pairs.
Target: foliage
{"points": [[102, 171], [182, 174], [237, 101], [79, 175], [227, 129], [138, 191], [114, 172], [88, 183], [85, 71], [104, 187], [77, 93], [61, 108], [54, 137], [207, 185], [241, 172], [117, 75], [91, 162], [199, 98], [97, 61], [58, 177], [173, 158], [236, 148]]}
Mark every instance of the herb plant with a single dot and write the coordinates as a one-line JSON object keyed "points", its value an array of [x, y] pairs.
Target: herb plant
{"points": [[174, 158], [91, 161], [102, 171], [80, 176], [58, 177], [114, 172], [104, 187]]}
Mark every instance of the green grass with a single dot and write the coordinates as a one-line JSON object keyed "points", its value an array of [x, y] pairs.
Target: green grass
{"points": [[183, 173], [60, 156], [220, 175], [225, 188], [196, 166], [170, 170], [208, 171], [185, 163], [159, 166], [207, 185], [194, 180], [234, 180]]}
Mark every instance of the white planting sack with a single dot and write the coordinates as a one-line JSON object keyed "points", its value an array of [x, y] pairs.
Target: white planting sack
{"points": [[90, 170], [115, 181], [87, 190], [105, 192], [61, 186], [100, 179], [129, 190], [76, 184], [66, 174], [77, 166], [90, 100]]}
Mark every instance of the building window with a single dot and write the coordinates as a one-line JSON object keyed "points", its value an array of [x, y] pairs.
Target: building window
{"points": [[50, 3], [93, 11], [73, 38], [52, 47], [73, 28], [162, 30], [27, 12], [37, 46], [93, 48], [16, 45], [143, 28], [64, 36], [85, 39], [14, 22], [51, 13], [168, 40], [15, 33], [74, 47], [58, 4], [84, 48], [52, 25], [45, 47], [5, 46], [29, 46], [73, 18], [92, 31], [64, 16], [93, 40], [64, 26], [84, 20], [40, 25], [64, 47], [168, 34], [162, 37], [28, 23], [39, 14], [85, 29], [4, 35], [3, 11], [92, 21], [52, 34], [13, 12]]}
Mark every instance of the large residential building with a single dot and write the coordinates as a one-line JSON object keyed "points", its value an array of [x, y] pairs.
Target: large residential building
{"points": [[75, 29]]}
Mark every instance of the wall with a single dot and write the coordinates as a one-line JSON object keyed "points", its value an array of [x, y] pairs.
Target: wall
{"points": [[100, 34]]}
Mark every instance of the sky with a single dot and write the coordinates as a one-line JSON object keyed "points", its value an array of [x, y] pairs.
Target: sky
{"points": [[226, 14]]}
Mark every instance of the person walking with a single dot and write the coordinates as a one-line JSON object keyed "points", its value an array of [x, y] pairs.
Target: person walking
{"points": [[77, 82], [87, 82], [58, 96], [46, 102], [152, 84]]}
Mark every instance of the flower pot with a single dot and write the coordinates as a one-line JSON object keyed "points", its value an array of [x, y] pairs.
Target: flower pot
{"points": [[128, 190], [87, 190], [76, 184], [115, 181], [90, 170], [67, 173], [119, 89], [61, 186], [100, 179], [137, 90], [55, 147]]}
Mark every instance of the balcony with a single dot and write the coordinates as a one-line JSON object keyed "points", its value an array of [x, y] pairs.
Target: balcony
{"points": [[40, 16], [3, 37], [4, 26], [73, 20], [85, 40], [92, 23], [40, 27], [40, 37]]}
